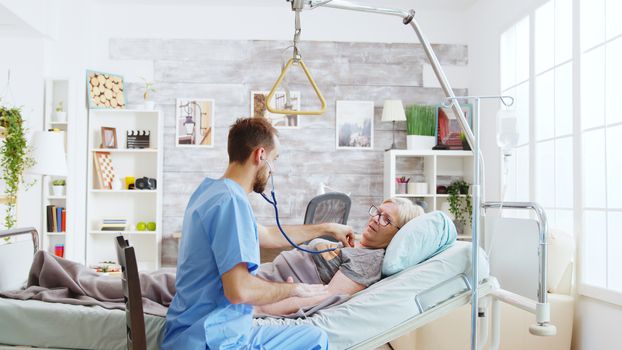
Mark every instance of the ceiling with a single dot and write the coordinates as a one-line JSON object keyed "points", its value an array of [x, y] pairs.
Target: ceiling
{"points": [[13, 26], [438, 5]]}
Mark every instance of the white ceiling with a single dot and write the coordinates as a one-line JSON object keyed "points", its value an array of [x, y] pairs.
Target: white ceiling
{"points": [[437, 5], [13, 26]]}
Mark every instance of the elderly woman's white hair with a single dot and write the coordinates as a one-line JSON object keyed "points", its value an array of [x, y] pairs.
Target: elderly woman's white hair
{"points": [[407, 209]]}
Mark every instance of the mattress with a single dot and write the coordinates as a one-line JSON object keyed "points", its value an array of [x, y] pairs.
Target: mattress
{"points": [[54, 325], [378, 309]]}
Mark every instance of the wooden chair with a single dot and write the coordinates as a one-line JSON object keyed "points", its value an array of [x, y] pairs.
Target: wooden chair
{"points": [[135, 320]]}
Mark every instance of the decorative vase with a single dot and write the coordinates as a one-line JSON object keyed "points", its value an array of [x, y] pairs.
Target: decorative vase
{"points": [[149, 105], [418, 142], [58, 191], [60, 117]]}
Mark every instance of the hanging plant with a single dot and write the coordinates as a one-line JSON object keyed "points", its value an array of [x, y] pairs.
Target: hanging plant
{"points": [[460, 201], [15, 158]]}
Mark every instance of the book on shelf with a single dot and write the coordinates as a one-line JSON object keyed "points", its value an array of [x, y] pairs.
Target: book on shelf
{"points": [[56, 218], [113, 225]]}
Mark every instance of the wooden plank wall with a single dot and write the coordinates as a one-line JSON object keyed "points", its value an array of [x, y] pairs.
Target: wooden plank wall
{"points": [[227, 71]]}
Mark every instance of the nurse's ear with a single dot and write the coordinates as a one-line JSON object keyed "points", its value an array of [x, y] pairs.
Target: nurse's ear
{"points": [[258, 155]]}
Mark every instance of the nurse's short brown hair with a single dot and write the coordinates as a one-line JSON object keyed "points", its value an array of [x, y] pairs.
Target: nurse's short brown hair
{"points": [[248, 134]]}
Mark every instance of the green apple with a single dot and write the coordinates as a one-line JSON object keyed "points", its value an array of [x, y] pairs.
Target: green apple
{"points": [[141, 226], [151, 226]]}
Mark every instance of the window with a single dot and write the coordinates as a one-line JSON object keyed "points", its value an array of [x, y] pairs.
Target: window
{"points": [[601, 125], [546, 107]]}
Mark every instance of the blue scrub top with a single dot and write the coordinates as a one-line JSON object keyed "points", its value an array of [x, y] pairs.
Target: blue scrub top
{"points": [[219, 231]]}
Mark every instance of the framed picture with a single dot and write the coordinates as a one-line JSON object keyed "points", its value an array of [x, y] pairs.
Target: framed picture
{"points": [[194, 122], [448, 129], [104, 171], [259, 107], [105, 90], [355, 125], [109, 137]]}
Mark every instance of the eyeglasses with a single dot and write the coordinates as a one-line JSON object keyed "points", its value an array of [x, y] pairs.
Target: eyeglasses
{"points": [[383, 219]]}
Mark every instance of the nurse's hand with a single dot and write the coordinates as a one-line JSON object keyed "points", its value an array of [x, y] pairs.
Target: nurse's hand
{"points": [[342, 233], [304, 290]]}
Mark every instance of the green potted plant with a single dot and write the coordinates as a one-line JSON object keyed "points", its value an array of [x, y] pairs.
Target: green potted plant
{"points": [[58, 187], [420, 127], [60, 115], [14, 158], [460, 203], [147, 89]]}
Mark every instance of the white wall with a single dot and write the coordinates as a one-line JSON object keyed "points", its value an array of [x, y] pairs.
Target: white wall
{"points": [[77, 33], [24, 58]]}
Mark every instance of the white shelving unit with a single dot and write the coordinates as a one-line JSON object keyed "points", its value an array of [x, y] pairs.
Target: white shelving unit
{"points": [[436, 168], [132, 205], [57, 91]]}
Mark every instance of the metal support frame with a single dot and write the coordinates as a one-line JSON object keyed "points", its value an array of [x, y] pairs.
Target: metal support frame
{"points": [[408, 17]]}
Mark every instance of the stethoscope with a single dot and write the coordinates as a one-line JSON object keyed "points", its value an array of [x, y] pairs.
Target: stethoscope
{"points": [[278, 222]]}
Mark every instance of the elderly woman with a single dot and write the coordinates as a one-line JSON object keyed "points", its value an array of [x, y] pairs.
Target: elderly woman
{"points": [[344, 271]]}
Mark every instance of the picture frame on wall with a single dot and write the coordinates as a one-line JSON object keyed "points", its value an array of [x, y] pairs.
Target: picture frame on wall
{"points": [[449, 133], [259, 108], [109, 137], [354, 125], [194, 122], [105, 90]]}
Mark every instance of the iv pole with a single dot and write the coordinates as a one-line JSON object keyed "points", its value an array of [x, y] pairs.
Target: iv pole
{"points": [[408, 17]]}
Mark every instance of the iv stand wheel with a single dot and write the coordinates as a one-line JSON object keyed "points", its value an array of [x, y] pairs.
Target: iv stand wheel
{"points": [[543, 330]]}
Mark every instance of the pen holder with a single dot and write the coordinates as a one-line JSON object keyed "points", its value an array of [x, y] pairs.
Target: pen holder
{"points": [[401, 188]]}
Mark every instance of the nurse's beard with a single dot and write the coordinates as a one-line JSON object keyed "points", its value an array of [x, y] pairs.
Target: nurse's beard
{"points": [[261, 181]]}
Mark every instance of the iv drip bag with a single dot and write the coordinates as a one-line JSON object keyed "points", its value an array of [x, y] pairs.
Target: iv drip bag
{"points": [[507, 131]]}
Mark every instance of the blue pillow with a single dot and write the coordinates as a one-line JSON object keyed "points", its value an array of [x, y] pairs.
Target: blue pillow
{"points": [[418, 240]]}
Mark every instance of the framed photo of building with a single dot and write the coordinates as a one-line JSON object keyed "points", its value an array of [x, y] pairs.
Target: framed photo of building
{"points": [[355, 125], [259, 108], [194, 122], [449, 133]]}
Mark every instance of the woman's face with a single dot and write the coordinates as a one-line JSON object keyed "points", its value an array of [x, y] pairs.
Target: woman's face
{"points": [[374, 234]]}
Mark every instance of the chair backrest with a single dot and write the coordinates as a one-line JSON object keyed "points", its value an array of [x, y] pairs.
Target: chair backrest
{"points": [[328, 207], [135, 320]]}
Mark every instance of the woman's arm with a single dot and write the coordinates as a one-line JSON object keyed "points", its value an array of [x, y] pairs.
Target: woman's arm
{"points": [[339, 285]]}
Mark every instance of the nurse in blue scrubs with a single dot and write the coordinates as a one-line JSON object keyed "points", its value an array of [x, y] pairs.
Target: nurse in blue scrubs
{"points": [[219, 257]]}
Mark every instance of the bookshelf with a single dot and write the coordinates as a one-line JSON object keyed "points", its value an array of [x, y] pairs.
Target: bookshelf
{"points": [[117, 202], [57, 91], [434, 168]]}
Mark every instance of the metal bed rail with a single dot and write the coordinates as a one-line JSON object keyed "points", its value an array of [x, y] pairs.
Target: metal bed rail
{"points": [[22, 231], [541, 309]]}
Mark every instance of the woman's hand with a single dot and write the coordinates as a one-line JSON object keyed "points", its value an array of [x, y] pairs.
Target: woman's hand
{"points": [[342, 233]]}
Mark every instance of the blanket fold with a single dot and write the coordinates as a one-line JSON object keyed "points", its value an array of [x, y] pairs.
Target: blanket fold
{"points": [[57, 280]]}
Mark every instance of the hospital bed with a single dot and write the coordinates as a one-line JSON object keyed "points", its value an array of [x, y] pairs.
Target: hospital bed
{"points": [[383, 312]]}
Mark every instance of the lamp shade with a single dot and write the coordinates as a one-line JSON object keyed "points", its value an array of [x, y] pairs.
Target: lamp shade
{"points": [[393, 111], [48, 151]]}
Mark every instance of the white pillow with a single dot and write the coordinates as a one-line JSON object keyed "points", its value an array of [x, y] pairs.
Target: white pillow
{"points": [[418, 240]]}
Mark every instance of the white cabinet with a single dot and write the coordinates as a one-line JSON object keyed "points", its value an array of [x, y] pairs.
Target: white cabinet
{"points": [[133, 206], [432, 168]]}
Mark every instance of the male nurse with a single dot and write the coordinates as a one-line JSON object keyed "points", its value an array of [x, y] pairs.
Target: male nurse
{"points": [[219, 256]]}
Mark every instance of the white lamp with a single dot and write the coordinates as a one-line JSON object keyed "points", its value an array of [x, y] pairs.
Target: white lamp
{"points": [[393, 111], [48, 151]]}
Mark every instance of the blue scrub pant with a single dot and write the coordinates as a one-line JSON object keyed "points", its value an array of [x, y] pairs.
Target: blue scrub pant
{"points": [[303, 337]]}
